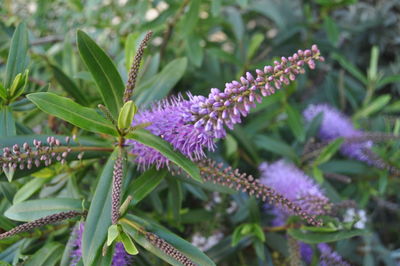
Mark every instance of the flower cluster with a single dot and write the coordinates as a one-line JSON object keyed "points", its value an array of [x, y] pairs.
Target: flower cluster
{"points": [[120, 256], [282, 176], [329, 257], [336, 125], [294, 184], [27, 156], [193, 124]]}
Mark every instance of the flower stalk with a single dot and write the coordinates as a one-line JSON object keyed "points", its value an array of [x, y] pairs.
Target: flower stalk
{"points": [[50, 219]]}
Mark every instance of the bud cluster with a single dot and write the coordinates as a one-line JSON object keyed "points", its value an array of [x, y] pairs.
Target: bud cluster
{"points": [[232, 178], [226, 108], [28, 156], [116, 188], [50, 219], [169, 249]]}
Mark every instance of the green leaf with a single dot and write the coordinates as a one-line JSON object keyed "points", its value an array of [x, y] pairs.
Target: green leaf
{"points": [[193, 49], [99, 216], [332, 30], [17, 55], [174, 200], [234, 18], [8, 190], [255, 43], [314, 237], [295, 123], [7, 123], [3, 92], [275, 146], [29, 189], [128, 244], [145, 183], [191, 18], [387, 80], [72, 112], [49, 255], [148, 139], [104, 72], [258, 232], [34, 209], [130, 48], [69, 85], [161, 84], [373, 106], [350, 68], [327, 153], [113, 233], [129, 225]]}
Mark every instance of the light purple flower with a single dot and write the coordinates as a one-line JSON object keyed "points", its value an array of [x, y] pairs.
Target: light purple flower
{"points": [[193, 124], [286, 179], [120, 257], [295, 185], [329, 257], [306, 252], [336, 125]]}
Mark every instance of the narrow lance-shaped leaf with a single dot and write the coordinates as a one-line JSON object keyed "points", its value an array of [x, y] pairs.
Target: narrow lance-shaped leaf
{"points": [[34, 209], [144, 184], [160, 85], [69, 86], [7, 123], [167, 150], [104, 72], [16, 60], [72, 112], [98, 219]]}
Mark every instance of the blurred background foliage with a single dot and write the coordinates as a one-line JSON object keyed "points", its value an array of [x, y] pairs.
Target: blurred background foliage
{"points": [[198, 45]]}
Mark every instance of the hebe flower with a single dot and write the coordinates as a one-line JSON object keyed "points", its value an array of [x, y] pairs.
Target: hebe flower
{"points": [[294, 184], [329, 257], [291, 182], [194, 124], [120, 256], [336, 125]]}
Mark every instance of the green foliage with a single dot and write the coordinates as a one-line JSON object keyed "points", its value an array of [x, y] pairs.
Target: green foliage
{"points": [[60, 59]]}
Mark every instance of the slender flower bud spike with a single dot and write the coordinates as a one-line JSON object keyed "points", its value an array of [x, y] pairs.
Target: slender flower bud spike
{"points": [[169, 249], [50, 219], [116, 187], [130, 85], [282, 175], [226, 176], [37, 154], [194, 124]]}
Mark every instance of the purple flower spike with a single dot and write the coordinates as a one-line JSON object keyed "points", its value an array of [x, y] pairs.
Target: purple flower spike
{"points": [[282, 176], [330, 257], [336, 125], [194, 124]]}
